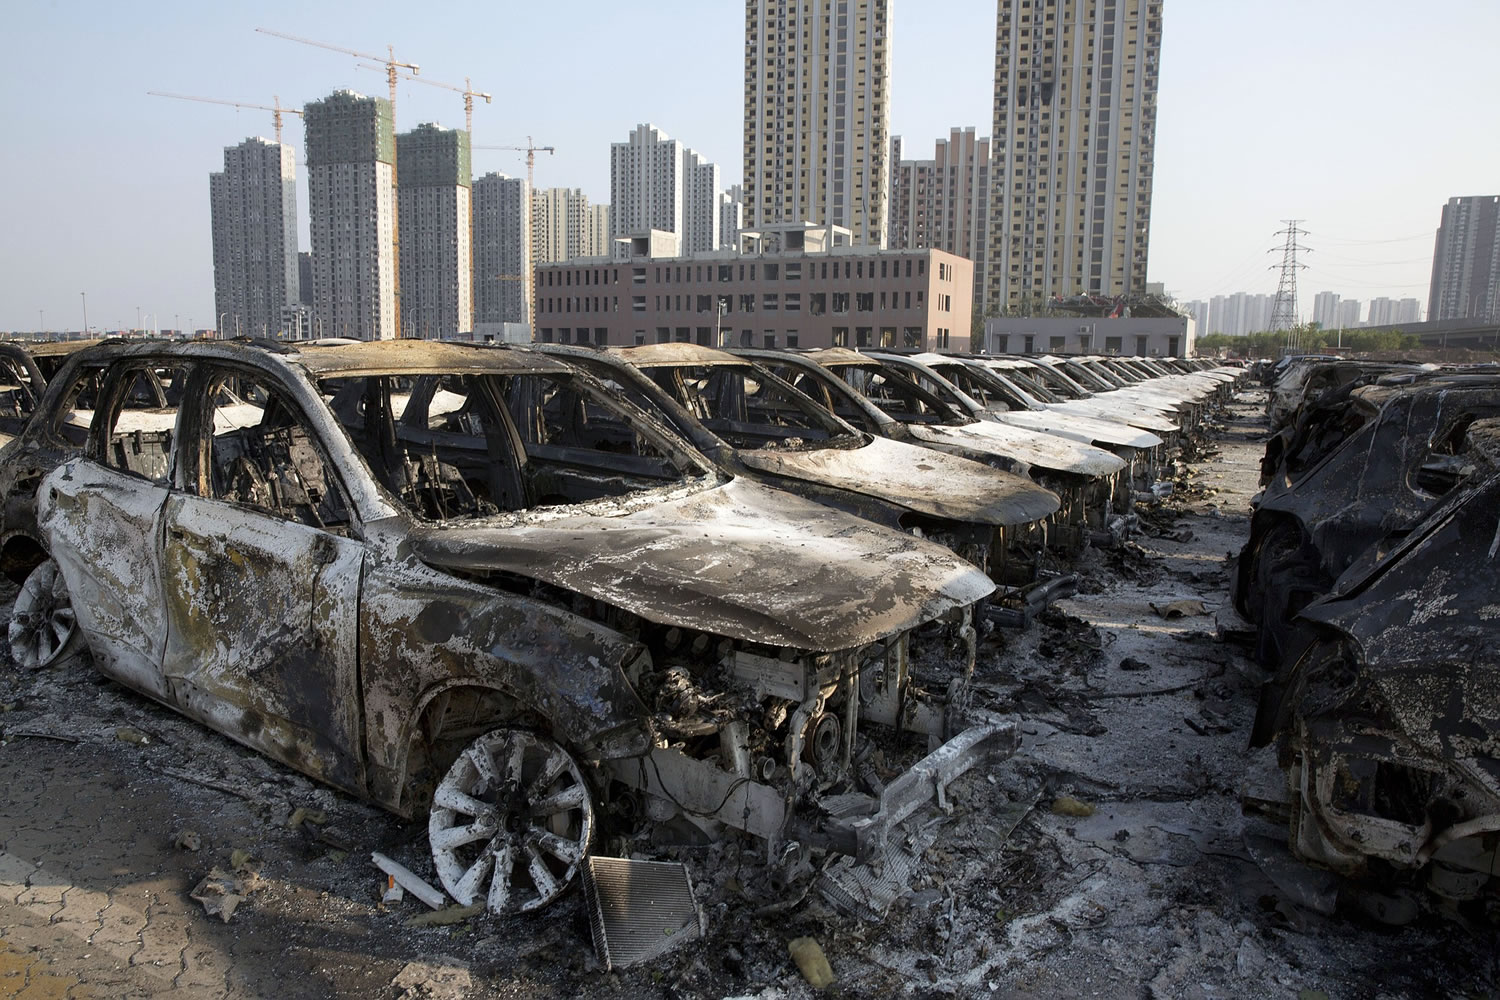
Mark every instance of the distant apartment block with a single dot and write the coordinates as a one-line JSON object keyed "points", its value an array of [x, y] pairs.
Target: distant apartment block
{"points": [[502, 250], [837, 296], [1409, 310], [944, 202], [700, 204], [1074, 141], [594, 241], [1326, 310], [350, 145], [1466, 261], [817, 114], [437, 255], [731, 217], [1349, 310], [253, 208], [557, 223], [305, 279], [1382, 312], [658, 183]]}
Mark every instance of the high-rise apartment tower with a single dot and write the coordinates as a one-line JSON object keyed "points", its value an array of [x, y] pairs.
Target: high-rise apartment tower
{"points": [[817, 114], [502, 249], [944, 202], [1466, 262], [437, 263], [1074, 139], [253, 207], [350, 144]]}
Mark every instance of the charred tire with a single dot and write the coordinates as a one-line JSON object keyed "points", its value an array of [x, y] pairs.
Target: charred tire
{"points": [[511, 822], [43, 629]]}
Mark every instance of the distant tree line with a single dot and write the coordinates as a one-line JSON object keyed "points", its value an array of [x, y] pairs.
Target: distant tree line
{"points": [[1309, 338]]}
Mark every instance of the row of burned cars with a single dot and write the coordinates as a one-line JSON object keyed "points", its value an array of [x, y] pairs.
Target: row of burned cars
{"points": [[531, 592], [1370, 579]]}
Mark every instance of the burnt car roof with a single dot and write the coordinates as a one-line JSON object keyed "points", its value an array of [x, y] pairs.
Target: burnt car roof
{"points": [[674, 354], [415, 357]]}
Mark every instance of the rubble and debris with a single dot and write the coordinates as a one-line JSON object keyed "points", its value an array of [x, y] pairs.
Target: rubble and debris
{"points": [[446, 916], [811, 962], [435, 978], [409, 880], [1067, 805], [189, 840], [221, 892], [1180, 609], [129, 734]]}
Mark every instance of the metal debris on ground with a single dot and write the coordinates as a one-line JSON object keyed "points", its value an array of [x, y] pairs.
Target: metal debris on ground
{"points": [[639, 910], [1180, 609], [221, 893], [409, 880], [188, 840]]}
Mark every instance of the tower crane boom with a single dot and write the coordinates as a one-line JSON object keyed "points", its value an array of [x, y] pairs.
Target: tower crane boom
{"points": [[274, 107]]}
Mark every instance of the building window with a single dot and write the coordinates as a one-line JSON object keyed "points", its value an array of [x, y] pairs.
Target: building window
{"points": [[864, 302], [770, 301], [770, 341], [793, 302], [862, 336], [791, 339], [663, 335], [911, 338], [888, 336]]}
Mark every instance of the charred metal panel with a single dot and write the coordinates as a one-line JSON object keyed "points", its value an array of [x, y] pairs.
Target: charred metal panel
{"points": [[714, 561], [104, 528], [263, 619], [919, 479], [424, 633]]}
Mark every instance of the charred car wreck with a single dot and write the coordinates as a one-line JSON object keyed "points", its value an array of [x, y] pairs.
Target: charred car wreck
{"points": [[355, 560], [1388, 723]]}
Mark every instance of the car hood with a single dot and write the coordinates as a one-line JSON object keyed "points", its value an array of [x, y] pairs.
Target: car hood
{"points": [[1037, 449], [1079, 427], [1122, 411], [919, 479], [739, 560]]}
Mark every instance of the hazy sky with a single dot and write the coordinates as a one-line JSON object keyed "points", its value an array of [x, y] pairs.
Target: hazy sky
{"points": [[1360, 117]]}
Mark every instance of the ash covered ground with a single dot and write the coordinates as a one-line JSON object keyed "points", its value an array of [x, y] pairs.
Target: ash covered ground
{"points": [[1107, 858]]}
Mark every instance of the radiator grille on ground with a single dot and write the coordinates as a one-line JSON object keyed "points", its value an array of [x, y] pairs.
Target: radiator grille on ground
{"points": [[639, 909]]}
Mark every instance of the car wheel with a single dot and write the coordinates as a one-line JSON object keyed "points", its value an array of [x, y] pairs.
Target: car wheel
{"points": [[43, 630], [511, 822]]}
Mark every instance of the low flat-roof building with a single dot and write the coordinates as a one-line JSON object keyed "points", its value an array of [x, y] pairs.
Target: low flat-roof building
{"points": [[826, 294], [1145, 336]]}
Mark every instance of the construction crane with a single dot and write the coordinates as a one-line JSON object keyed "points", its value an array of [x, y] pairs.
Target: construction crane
{"points": [[467, 90], [275, 107], [390, 62], [530, 150], [392, 65]]}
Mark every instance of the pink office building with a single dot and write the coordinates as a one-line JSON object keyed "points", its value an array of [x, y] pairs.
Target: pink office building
{"points": [[800, 287]]}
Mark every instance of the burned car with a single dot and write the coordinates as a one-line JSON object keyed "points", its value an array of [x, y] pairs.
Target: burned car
{"points": [[754, 423], [522, 638], [1388, 724], [25, 367], [1405, 444]]}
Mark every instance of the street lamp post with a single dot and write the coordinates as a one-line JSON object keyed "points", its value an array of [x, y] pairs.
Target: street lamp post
{"points": [[219, 330], [85, 297], [137, 317]]}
